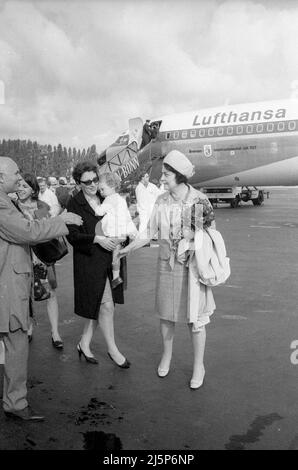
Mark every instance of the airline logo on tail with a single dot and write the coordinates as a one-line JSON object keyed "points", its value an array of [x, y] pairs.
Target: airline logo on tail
{"points": [[128, 168]]}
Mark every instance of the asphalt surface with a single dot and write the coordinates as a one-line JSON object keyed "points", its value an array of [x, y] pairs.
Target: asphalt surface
{"points": [[249, 398]]}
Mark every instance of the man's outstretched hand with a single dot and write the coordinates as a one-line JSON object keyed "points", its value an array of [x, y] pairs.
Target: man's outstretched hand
{"points": [[71, 219]]}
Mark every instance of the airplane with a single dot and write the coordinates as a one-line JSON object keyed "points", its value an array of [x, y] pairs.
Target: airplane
{"points": [[234, 148]]}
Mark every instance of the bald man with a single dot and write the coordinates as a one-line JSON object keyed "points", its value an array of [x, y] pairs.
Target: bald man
{"points": [[16, 235]]}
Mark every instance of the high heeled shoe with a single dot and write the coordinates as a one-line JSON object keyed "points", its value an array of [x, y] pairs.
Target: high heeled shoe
{"points": [[57, 344], [195, 384], [116, 282], [124, 365], [162, 372], [89, 359]]}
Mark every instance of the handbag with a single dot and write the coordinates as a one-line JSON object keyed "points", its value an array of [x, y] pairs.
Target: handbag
{"points": [[51, 251], [40, 291]]}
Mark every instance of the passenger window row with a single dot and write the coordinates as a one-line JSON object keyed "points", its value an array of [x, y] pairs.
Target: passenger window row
{"points": [[282, 126]]}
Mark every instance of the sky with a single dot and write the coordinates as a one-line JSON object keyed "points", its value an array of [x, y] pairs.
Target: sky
{"points": [[73, 72]]}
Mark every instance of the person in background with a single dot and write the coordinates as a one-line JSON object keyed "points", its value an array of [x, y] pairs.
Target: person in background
{"points": [[16, 235], [92, 267], [154, 131], [172, 287], [75, 190], [146, 195], [46, 195], [52, 183], [62, 193], [33, 208], [161, 187], [146, 136]]}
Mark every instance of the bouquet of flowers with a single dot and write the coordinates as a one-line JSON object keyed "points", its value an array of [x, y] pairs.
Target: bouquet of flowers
{"points": [[202, 214], [199, 215]]}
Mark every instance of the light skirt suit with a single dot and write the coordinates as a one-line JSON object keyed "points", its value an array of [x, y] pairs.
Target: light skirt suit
{"points": [[171, 302]]}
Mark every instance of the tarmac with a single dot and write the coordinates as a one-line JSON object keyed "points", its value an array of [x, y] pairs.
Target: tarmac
{"points": [[249, 397]]}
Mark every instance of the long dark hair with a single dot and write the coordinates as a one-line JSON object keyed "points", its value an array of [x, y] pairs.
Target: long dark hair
{"points": [[33, 183]]}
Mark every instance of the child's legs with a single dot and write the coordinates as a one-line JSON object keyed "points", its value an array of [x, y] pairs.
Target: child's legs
{"points": [[116, 262]]}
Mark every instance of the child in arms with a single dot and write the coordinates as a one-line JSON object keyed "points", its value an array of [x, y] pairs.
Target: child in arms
{"points": [[117, 222]]}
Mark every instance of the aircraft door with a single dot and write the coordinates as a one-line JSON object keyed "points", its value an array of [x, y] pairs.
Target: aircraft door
{"points": [[135, 130]]}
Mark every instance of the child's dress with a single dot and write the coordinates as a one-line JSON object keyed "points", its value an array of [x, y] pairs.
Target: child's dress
{"points": [[117, 221], [117, 224]]}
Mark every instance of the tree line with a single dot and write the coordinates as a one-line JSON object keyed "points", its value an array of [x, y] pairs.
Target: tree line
{"points": [[45, 160]]}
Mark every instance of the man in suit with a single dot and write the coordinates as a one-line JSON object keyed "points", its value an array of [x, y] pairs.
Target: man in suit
{"points": [[16, 235]]}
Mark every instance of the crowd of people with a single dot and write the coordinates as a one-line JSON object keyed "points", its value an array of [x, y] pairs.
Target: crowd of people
{"points": [[97, 224]]}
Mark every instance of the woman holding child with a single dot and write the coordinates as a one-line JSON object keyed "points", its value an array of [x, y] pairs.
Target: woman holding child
{"points": [[173, 218], [92, 264]]}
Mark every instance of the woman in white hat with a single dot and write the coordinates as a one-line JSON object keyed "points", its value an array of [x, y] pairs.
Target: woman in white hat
{"points": [[170, 218]]}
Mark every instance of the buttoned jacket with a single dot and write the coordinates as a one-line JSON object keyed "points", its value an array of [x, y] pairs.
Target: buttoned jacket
{"points": [[16, 235]]}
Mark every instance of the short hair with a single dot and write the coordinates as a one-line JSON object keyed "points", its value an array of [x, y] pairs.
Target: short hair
{"points": [[178, 176], [111, 179], [142, 174], [52, 180], [32, 181], [81, 168], [41, 179]]}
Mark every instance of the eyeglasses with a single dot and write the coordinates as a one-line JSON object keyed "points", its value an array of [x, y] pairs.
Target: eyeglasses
{"points": [[89, 182]]}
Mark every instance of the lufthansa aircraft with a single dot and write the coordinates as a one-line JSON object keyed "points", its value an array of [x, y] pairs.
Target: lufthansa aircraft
{"points": [[235, 146]]}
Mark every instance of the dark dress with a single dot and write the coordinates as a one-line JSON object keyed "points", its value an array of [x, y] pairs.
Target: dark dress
{"points": [[43, 210], [92, 264]]}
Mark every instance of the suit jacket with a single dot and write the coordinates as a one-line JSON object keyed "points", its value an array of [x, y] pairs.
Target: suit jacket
{"points": [[16, 235], [92, 264]]}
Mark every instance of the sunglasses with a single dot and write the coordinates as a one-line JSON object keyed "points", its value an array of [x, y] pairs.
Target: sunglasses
{"points": [[89, 182]]}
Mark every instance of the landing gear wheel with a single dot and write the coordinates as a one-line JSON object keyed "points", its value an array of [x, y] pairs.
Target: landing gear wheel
{"points": [[234, 203], [259, 200]]}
